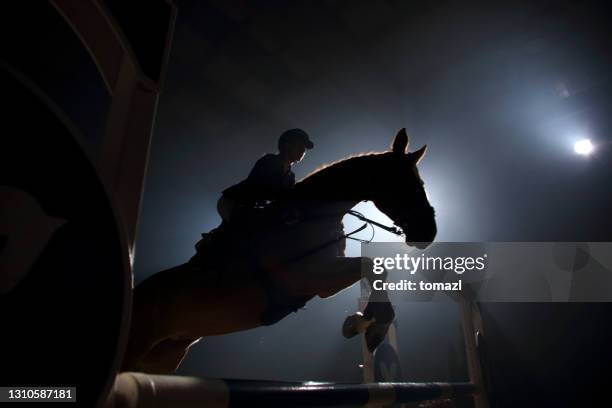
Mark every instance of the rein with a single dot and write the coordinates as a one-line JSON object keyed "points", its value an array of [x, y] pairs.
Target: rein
{"points": [[393, 229], [367, 222]]}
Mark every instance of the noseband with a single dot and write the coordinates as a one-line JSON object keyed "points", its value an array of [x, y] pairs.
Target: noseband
{"points": [[397, 229], [392, 229]]}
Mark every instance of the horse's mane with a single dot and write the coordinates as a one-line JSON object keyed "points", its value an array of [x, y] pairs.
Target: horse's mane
{"points": [[338, 179], [340, 165]]}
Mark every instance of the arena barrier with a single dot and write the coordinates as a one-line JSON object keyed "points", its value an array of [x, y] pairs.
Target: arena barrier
{"points": [[132, 390]]}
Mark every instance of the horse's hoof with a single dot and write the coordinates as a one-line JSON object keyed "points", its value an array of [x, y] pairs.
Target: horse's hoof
{"points": [[375, 334], [354, 324], [381, 311]]}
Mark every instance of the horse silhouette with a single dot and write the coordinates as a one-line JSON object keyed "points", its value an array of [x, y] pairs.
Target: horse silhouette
{"points": [[262, 268]]}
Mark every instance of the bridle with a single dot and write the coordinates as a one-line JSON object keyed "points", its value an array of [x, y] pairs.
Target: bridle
{"points": [[369, 222], [396, 229]]}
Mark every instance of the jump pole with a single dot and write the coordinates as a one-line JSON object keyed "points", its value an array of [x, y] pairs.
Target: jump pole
{"points": [[136, 390]]}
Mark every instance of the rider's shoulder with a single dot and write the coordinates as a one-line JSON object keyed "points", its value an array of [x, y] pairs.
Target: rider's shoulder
{"points": [[269, 160], [270, 156]]}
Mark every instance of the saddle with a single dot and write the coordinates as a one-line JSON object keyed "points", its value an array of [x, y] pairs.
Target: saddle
{"points": [[241, 233]]}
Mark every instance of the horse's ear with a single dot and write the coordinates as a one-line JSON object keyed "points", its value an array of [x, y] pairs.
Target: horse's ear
{"points": [[400, 143], [417, 155]]}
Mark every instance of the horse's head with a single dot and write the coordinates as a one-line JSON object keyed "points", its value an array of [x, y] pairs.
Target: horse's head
{"points": [[400, 193]]}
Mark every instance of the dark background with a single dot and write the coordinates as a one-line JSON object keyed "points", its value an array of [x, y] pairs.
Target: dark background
{"points": [[499, 92]]}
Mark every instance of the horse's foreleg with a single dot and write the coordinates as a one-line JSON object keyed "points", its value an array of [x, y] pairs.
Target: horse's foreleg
{"points": [[329, 276], [378, 314], [340, 273], [322, 277]]}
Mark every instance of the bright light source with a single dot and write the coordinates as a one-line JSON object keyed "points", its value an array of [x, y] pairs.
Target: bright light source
{"points": [[583, 147]]}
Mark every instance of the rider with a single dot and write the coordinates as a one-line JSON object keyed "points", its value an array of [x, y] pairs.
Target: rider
{"points": [[270, 177]]}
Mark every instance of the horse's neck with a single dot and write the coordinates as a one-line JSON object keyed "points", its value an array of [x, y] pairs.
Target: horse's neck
{"points": [[336, 188]]}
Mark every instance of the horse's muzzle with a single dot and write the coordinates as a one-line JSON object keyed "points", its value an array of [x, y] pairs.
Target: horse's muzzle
{"points": [[424, 235], [419, 245]]}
